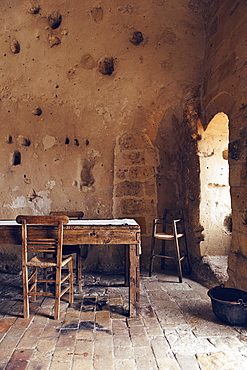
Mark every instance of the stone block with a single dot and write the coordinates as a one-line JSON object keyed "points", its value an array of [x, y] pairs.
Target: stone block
{"points": [[136, 157], [141, 173], [66, 338], [235, 174], [242, 243], [235, 242], [146, 361], [134, 141], [122, 174], [232, 262], [124, 352], [151, 157], [235, 149], [150, 188], [240, 220], [132, 206], [125, 364], [128, 188], [244, 174], [187, 362], [220, 360], [238, 196], [241, 266], [168, 363], [160, 347]]}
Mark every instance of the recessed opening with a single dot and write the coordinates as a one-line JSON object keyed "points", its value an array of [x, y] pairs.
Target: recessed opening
{"points": [[215, 203], [16, 160]]}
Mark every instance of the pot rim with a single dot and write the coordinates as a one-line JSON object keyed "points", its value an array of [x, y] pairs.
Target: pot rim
{"points": [[239, 302]]}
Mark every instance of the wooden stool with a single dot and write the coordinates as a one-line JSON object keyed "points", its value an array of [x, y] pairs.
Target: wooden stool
{"points": [[173, 236]]}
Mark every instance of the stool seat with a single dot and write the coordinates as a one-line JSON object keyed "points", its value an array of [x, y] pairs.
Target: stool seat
{"points": [[167, 236]]}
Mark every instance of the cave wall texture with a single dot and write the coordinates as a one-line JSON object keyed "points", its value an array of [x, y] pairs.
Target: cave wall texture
{"points": [[100, 104]]}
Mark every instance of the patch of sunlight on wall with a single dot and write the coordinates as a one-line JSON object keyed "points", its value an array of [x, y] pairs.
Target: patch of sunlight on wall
{"points": [[215, 202]]}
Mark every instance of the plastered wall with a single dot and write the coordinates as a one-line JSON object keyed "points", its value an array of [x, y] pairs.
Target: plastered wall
{"points": [[77, 79]]}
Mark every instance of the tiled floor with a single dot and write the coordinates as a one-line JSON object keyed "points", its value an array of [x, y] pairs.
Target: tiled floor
{"points": [[176, 329]]}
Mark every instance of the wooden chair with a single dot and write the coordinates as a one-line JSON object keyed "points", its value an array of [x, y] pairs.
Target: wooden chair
{"points": [[74, 249], [44, 235], [161, 232]]}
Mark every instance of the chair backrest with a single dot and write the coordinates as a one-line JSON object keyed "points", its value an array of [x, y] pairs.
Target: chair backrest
{"points": [[42, 234], [76, 215]]}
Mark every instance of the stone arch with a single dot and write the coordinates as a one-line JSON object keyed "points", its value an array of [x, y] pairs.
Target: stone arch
{"points": [[222, 102]]}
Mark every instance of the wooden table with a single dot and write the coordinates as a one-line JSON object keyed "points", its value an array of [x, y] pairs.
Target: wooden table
{"points": [[117, 231]]}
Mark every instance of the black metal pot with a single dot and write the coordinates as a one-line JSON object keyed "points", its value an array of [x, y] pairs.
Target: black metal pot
{"points": [[229, 305]]}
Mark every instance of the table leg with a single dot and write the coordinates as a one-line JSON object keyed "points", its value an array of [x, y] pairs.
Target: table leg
{"points": [[127, 266], [134, 280], [79, 269]]}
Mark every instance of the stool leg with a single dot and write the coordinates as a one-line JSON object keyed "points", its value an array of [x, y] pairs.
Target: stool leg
{"points": [[152, 257], [179, 267]]}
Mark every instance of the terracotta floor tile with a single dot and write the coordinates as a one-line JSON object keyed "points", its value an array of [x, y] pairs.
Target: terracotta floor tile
{"points": [[15, 364], [94, 334]]}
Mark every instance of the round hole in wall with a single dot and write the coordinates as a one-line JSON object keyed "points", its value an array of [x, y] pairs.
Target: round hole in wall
{"points": [[9, 139], [55, 20], [15, 47], [225, 154], [37, 111]]}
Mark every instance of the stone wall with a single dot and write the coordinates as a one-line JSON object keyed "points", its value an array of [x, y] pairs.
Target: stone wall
{"points": [[76, 77], [135, 191], [224, 90]]}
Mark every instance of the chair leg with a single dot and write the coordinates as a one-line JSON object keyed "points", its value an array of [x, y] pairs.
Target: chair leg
{"points": [[71, 292], [34, 281], [25, 292], [57, 293]]}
